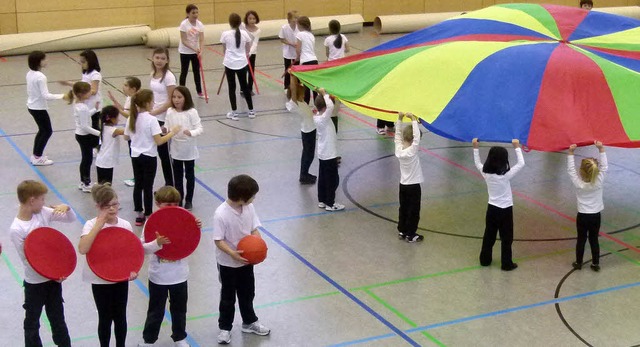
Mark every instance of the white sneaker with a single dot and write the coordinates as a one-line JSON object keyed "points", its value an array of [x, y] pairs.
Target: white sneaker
{"points": [[86, 188], [256, 328], [182, 343], [144, 344], [233, 116], [322, 205], [130, 182], [336, 207], [42, 161], [224, 337], [252, 114]]}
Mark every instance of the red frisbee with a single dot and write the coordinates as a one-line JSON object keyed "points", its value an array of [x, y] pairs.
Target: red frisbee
{"points": [[115, 253], [50, 253], [177, 224]]}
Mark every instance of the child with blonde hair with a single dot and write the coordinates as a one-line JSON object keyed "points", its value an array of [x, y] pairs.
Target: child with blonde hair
{"points": [[589, 196]]}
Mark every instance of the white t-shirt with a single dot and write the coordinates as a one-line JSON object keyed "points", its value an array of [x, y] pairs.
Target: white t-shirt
{"points": [[499, 186], [126, 107], [589, 195], [410, 169], [160, 95], [82, 116], [163, 271], [231, 226], [109, 151], [184, 147], [90, 77], [255, 38], [308, 47], [335, 53], [327, 147], [193, 36], [288, 52], [38, 92], [142, 141], [87, 274], [235, 58], [20, 229], [306, 115]]}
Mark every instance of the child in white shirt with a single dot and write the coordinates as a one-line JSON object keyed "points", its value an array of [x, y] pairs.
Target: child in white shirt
{"points": [[296, 104], [336, 44], [306, 50], [251, 18], [190, 46], [109, 149], [328, 178], [236, 44], [287, 37], [86, 136]]}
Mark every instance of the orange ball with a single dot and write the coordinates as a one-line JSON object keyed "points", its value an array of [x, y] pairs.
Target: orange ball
{"points": [[254, 249]]}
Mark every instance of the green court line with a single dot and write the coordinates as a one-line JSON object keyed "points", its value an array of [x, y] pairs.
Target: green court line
{"points": [[620, 254], [403, 317], [263, 163]]}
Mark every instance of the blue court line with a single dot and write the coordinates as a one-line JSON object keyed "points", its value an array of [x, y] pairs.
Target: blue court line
{"points": [[493, 314], [335, 284], [55, 191]]}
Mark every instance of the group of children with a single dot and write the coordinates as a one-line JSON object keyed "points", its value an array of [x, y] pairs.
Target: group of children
{"points": [[233, 220]]}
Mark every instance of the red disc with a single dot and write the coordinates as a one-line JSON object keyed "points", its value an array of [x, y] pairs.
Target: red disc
{"points": [[50, 253], [115, 253], [179, 226], [254, 249]]}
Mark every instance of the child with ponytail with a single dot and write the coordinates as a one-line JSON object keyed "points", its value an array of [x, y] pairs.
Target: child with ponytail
{"points": [[109, 148], [589, 195], [336, 44], [144, 131], [86, 135]]}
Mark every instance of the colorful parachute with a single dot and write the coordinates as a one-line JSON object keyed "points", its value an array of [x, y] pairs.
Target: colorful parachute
{"points": [[547, 75]]}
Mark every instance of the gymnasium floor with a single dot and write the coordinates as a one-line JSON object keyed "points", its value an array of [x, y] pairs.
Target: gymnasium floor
{"points": [[343, 278]]}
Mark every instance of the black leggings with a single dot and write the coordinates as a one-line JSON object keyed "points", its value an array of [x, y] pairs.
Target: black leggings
{"points": [[186, 168], [185, 59], [287, 77], [105, 175], [588, 226], [86, 143], [409, 211], [231, 82], [252, 62], [328, 181], [498, 220], [44, 131], [144, 173], [165, 161], [111, 303], [308, 151]]}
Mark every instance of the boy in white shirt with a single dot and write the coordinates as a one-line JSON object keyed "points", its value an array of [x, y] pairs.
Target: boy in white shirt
{"points": [[297, 105], [407, 140], [39, 291], [287, 36], [232, 221], [328, 178]]}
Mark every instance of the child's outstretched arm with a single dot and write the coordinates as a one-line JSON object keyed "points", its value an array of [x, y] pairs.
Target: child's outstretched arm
{"points": [[520, 164], [476, 154], [603, 163]]}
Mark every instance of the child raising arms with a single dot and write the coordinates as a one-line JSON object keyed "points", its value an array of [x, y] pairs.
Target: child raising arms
{"points": [[233, 220], [184, 149], [497, 174], [589, 195], [407, 141], [39, 291]]}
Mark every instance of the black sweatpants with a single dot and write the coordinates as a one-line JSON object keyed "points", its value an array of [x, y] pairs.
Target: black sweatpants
{"points": [[165, 161], [231, 83], [158, 294], [287, 76], [328, 181], [104, 175], [498, 220], [49, 296], [184, 168], [380, 124], [308, 152], [588, 226], [87, 143], [44, 131], [111, 303], [241, 282], [409, 212], [144, 174], [185, 59]]}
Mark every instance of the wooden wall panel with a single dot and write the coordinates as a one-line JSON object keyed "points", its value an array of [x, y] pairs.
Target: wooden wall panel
{"points": [[60, 20], [8, 23], [267, 9], [374, 8], [172, 15], [452, 5], [75, 5], [356, 6], [317, 8], [8, 6]]}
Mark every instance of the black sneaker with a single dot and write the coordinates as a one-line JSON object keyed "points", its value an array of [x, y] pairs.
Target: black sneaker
{"points": [[595, 267], [509, 267], [576, 265], [414, 238], [140, 220], [400, 235], [307, 180], [188, 206]]}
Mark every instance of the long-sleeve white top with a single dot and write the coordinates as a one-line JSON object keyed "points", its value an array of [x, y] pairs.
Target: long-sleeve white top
{"points": [[327, 147], [588, 194], [499, 186], [38, 92], [410, 169], [82, 115], [184, 147]]}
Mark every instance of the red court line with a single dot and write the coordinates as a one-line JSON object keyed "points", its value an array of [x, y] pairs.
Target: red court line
{"points": [[477, 174], [3, 59], [215, 51]]}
